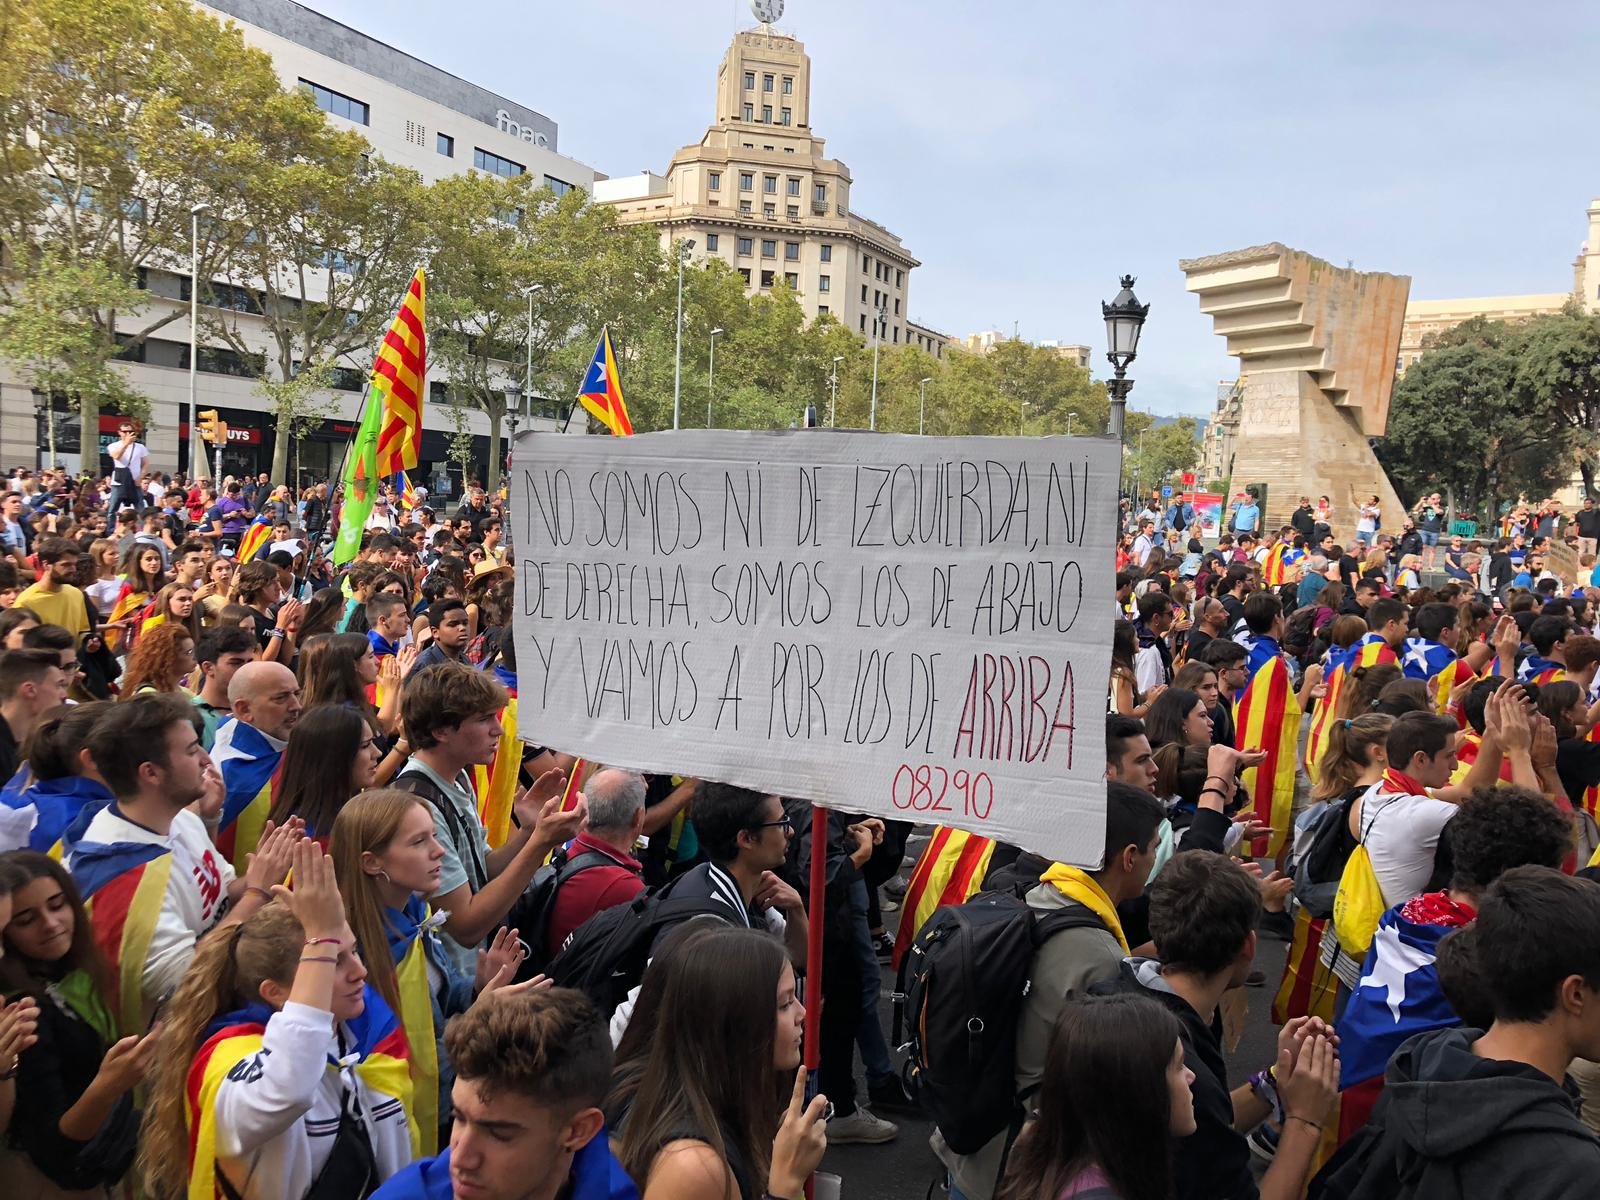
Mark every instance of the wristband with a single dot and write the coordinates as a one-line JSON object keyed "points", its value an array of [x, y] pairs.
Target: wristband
{"points": [[275, 632], [1304, 1121], [333, 941], [1216, 792], [318, 958], [1220, 778]]}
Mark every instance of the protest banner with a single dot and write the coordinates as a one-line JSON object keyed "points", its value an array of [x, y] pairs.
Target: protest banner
{"points": [[910, 627], [1561, 558]]}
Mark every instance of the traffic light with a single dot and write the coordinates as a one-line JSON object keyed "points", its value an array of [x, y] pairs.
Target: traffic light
{"points": [[211, 429]]}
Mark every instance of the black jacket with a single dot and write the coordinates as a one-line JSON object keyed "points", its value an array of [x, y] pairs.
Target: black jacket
{"points": [[1453, 1126], [1213, 1162]]}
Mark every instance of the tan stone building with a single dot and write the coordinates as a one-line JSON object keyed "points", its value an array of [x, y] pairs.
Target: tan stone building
{"points": [[759, 191], [986, 340]]}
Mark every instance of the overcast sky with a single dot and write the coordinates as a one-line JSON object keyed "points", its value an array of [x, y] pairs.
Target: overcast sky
{"points": [[1030, 153]]}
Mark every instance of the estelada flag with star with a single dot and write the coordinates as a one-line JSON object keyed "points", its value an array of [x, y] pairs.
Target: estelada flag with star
{"points": [[601, 392]]}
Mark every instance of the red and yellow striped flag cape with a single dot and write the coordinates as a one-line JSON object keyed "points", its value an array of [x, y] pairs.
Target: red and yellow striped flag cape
{"points": [[949, 872], [496, 784], [123, 892], [1273, 570], [1467, 747], [1322, 721], [384, 1067], [255, 537], [1268, 718], [126, 608], [1590, 800], [1447, 681], [397, 377], [1308, 988]]}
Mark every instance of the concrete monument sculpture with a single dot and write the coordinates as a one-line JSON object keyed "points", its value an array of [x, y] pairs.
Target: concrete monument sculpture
{"points": [[1316, 346]]}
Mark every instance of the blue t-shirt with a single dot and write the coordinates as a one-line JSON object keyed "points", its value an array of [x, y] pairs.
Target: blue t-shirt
{"points": [[1246, 517], [596, 1175]]}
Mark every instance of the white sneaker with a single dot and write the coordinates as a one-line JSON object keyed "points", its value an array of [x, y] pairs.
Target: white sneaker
{"points": [[861, 1128]]}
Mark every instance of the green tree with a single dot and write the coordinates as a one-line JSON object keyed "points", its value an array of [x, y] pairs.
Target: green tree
{"points": [[116, 117], [1158, 452], [1558, 372]]}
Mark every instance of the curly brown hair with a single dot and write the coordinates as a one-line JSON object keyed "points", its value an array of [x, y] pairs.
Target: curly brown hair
{"points": [[157, 661]]}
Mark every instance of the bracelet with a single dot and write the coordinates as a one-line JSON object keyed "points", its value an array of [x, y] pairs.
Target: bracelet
{"points": [[319, 958], [1303, 1121], [325, 941], [1220, 778], [256, 887], [1216, 792], [275, 632]]}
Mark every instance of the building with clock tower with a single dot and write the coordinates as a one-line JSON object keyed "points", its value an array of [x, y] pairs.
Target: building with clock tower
{"points": [[759, 191]]}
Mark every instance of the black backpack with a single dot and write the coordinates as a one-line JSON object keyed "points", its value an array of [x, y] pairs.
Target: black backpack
{"points": [[962, 984], [605, 957], [1328, 846], [530, 915]]}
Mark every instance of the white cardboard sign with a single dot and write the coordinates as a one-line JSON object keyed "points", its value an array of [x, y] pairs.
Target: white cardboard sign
{"points": [[911, 627]]}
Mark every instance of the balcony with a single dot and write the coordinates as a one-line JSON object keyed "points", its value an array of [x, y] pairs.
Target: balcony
{"points": [[819, 208]]}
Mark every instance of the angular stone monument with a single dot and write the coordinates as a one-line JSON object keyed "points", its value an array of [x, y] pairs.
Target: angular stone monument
{"points": [[1316, 346]]}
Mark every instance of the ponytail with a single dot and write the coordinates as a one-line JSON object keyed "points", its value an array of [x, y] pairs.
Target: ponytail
{"points": [[1349, 753], [227, 971]]}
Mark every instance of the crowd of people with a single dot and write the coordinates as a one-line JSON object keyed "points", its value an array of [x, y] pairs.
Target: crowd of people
{"points": [[291, 907]]}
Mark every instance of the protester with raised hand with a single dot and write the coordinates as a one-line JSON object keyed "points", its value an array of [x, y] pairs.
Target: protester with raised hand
{"points": [[75, 1126], [282, 1073]]}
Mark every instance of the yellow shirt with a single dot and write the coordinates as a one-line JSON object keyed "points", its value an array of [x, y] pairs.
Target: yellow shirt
{"points": [[64, 607]]}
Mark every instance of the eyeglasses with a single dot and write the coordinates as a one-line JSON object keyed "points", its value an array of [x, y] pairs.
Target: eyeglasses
{"points": [[787, 825]]}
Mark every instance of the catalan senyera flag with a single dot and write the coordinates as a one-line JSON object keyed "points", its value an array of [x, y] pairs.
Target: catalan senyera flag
{"points": [[1467, 748], [1268, 717], [411, 933], [1308, 989], [950, 870], [1322, 717], [601, 392], [1456, 673], [253, 539], [123, 885], [1590, 800], [383, 1064], [398, 377]]}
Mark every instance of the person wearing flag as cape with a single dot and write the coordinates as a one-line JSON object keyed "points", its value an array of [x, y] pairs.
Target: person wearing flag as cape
{"points": [[1398, 994], [154, 881], [248, 750], [1268, 717], [1548, 662], [281, 1072], [1431, 655]]}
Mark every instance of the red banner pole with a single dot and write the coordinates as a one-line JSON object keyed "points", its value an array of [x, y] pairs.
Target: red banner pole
{"points": [[814, 902]]}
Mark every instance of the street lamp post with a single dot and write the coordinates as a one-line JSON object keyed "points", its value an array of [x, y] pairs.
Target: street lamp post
{"points": [[922, 402], [1022, 416], [1070, 417], [1124, 318], [514, 401], [833, 387], [526, 395], [684, 249], [711, 375], [196, 461], [877, 322]]}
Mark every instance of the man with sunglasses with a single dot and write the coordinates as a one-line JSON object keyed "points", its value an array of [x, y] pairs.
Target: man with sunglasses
{"points": [[746, 837]]}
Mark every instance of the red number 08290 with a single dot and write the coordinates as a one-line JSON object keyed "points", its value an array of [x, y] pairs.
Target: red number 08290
{"points": [[933, 789]]}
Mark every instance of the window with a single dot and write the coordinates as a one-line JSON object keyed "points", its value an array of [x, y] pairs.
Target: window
{"points": [[824, 283], [509, 216], [769, 184], [788, 149], [714, 180], [766, 279], [712, 242], [788, 85], [496, 165], [866, 263], [863, 296], [794, 185], [827, 251], [445, 145], [749, 112], [766, 83], [863, 322], [766, 114], [897, 308], [877, 270], [791, 251], [747, 181], [792, 280], [337, 103], [794, 210], [559, 186], [897, 333], [877, 297], [750, 81], [744, 206], [769, 248], [784, 116], [746, 246], [744, 274], [769, 210], [820, 193], [822, 308], [899, 279]]}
